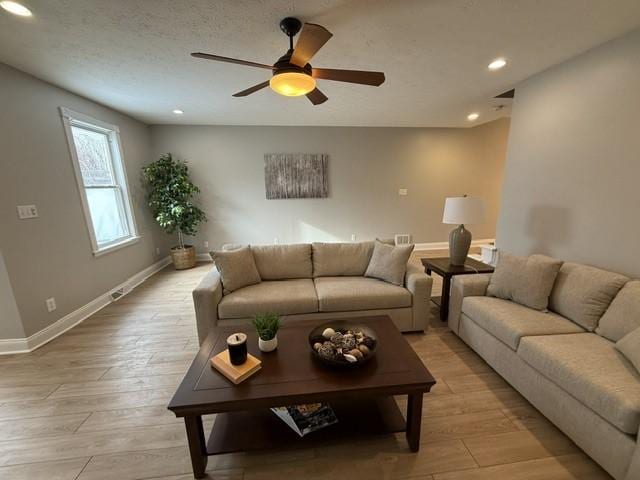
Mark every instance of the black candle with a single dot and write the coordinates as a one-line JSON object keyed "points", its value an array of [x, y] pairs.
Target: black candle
{"points": [[237, 344]]}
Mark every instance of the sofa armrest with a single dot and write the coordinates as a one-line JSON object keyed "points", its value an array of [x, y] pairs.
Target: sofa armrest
{"points": [[419, 284], [206, 297], [634, 468], [465, 286]]}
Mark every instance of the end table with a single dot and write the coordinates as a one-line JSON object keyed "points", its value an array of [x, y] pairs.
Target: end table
{"points": [[442, 267]]}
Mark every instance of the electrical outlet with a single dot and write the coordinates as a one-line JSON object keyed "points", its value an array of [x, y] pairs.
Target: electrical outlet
{"points": [[157, 251], [353, 237], [51, 304], [403, 192], [206, 244], [402, 238], [27, 211]]}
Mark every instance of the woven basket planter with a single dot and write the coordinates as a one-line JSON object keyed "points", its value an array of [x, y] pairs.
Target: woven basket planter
{"points": [[183, 258]]}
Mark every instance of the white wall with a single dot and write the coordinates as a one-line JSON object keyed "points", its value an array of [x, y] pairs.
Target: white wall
{"points": [[51, 256], [367, 166], [572, 185]]}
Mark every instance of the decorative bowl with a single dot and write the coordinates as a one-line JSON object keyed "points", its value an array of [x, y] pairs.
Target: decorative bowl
{"points": [[343, 326]]}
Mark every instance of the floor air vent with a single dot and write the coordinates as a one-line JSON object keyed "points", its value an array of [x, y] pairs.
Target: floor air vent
{"points": [[116, 294]]}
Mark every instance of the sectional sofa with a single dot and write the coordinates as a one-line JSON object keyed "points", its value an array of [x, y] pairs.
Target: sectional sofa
{"points": [[319, 280], [564, 361]]}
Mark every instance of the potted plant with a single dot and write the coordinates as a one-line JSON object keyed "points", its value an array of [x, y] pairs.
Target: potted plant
{"points": [[170, 194], [267, 325]]}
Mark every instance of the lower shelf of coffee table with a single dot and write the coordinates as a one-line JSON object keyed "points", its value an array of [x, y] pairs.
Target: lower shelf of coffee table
{"points": [[262, 429]]}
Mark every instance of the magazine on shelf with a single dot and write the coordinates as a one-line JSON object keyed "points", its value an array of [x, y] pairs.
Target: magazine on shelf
{"points": [[304, 419]]}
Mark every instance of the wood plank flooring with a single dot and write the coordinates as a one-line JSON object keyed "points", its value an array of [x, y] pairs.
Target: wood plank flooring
{"points": [[92, 405]]}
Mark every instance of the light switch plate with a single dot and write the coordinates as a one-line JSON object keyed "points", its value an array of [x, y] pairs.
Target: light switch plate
{"points": [[403, 192], [27, 211]]}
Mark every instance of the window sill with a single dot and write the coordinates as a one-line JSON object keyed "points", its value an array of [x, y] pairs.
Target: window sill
{"points": [[116, 246]]}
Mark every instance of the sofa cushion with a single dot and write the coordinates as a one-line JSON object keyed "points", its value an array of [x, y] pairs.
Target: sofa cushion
{"points": [[281, 262], [629, 346], [389, 262], [337, 259], [237, 268], [338, 294], [525, 280], [285, 297], [589, 368], [623, 315], [509, 322], [583, 293]]}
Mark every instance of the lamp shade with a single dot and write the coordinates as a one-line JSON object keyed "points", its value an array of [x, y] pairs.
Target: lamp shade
{"points": [[463, 210]]}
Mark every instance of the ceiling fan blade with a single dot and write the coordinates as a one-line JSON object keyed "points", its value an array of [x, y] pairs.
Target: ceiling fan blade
{"points": [[251, 90], [218, 58], [311, 39], [317, 97], [351, 76]]}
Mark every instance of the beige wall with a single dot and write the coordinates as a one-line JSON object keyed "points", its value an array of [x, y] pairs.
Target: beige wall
{"points": [[10, 322], [367, 166], [572, 186], [50, 256]]}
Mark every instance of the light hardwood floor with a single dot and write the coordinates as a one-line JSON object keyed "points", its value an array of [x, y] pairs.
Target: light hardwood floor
{"points": [[91, 405]]}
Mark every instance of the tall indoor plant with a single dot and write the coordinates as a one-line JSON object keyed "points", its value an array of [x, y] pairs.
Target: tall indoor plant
{"points": [[170, 195]]}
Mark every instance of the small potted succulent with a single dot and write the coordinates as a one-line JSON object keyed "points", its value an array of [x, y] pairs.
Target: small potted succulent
{"points": [[267, 325]]}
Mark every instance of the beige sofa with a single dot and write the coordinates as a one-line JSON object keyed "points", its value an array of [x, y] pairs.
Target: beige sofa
{"points": [[561, 361], [319, 280]]}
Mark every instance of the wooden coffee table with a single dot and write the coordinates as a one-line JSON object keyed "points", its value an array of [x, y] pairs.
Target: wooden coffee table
{"points": [[361, 398]]}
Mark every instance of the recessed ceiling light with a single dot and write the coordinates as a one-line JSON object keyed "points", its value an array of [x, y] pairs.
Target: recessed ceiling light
{"points": [[497, 64], [473, 116], [16, 8], [177, 111]]}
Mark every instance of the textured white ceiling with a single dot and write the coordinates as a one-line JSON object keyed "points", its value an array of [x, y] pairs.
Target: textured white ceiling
{"points": [[133, 55]]}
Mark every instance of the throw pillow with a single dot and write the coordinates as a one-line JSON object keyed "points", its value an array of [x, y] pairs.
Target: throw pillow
{"points": [[341, 259], [583, 293], [525, 280], [629, 346], [237, 268], [283, 262], [623, 315], [389, 262]]}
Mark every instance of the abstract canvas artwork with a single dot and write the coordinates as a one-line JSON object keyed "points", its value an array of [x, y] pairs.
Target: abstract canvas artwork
{"points": [[296, 175]]}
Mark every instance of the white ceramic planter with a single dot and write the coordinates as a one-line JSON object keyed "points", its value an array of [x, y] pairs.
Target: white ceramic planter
{"points": [[268, 345]]}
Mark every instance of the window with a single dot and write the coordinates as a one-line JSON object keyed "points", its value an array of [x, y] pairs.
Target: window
{"points": [[98, 163]]}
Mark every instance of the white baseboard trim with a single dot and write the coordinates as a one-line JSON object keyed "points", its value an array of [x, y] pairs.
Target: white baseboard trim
{"points": [[25, 345], [445, 245]]}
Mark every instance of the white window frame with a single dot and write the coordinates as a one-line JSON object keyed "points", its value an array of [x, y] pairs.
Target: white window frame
{"points": [[71, 118]]}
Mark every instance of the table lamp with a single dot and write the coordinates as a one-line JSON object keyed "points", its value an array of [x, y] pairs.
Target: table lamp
{"points": [[460, 211]]}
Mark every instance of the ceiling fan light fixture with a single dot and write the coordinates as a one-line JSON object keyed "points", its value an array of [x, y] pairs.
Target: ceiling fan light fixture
{"points": [[292, 84]]}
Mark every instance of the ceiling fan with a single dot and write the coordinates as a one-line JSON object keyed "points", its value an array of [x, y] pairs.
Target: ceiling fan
{"points": [[292, 74]]}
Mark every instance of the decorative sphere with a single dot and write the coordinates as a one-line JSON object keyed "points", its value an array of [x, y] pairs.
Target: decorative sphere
{"points": [[328, 333], [327, 350], [356, 353], [336, 338], [317, 346], [364, 349], [369, 342]]}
